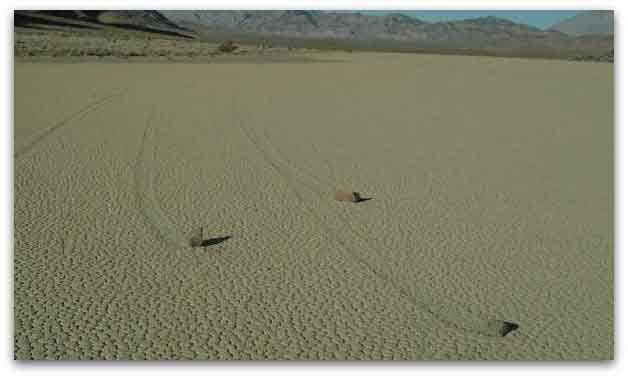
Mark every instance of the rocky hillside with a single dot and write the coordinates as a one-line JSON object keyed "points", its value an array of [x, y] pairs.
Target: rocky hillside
{"points": [[147, 20]]}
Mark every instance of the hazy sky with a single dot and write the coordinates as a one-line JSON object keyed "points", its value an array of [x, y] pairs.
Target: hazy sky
{"points": [[541, 19]]}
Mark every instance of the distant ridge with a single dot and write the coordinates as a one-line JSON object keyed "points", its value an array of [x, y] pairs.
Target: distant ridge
{"points": [[488, 33], [599, 22], [354, 26]]}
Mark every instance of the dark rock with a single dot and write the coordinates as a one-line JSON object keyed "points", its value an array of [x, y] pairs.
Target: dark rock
{"points": [[499, 328]]}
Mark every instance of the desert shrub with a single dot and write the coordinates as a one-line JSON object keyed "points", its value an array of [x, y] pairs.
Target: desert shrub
{"points": [[227, 47], [135, 53]]}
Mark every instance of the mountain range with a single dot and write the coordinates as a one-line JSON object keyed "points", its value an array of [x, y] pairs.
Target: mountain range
{"points": [[360, 27], [587, 33], [490, 35]]}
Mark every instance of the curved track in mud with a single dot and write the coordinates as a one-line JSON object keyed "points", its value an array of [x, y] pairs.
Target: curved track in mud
{"points": [[147, 202], [294, 176], [80, 113]]}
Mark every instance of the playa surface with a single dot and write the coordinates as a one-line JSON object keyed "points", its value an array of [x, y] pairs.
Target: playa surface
{"points": [[492, 198]]}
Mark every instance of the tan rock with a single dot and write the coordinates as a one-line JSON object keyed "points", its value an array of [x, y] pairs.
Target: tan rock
{"points": [[347, 196], [196, 238]]}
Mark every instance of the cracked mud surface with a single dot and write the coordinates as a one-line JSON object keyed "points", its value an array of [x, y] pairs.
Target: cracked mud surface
{"points": [[492, 196]]}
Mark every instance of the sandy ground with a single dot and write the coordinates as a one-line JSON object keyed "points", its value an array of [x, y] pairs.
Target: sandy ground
{"points": [[492, 187]]}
